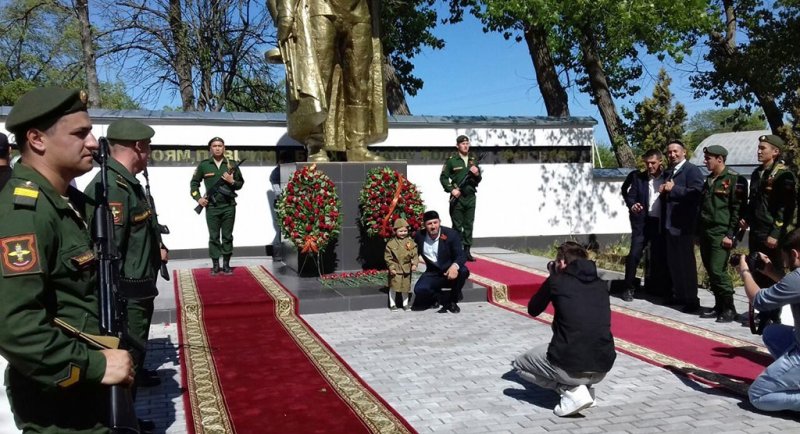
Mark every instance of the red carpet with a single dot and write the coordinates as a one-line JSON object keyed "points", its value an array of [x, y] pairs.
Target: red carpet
{"points": [[702, 354], [252, 365]]}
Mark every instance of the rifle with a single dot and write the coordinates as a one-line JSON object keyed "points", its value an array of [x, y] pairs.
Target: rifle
{"points": [[112, 320], [213, 190], [162, 229], [463, 182]]}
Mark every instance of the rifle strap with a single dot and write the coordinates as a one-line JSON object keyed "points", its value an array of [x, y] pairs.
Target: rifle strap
{"points": [[99, 342]]}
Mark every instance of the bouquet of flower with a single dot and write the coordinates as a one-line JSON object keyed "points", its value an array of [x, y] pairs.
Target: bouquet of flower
{"points": [[308, 210], [388, 195]]}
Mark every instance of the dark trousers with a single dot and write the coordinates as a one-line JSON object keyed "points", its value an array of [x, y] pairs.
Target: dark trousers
{"points": [[641, 238], [682, 267], [757, 243], [220, 221], [430, 285]]}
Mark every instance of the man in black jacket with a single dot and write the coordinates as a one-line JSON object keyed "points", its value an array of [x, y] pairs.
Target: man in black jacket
{"points": [[445, 265], [581, 351], [644, 204]]}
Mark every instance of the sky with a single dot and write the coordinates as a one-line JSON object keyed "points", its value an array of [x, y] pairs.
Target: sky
{"points": [[483, 74]]}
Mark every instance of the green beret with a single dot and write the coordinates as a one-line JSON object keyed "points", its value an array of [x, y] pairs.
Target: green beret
{"points": [[43, 106], [716, 150], [129, 130], [462, 138], [773, 140], [400, 223]]}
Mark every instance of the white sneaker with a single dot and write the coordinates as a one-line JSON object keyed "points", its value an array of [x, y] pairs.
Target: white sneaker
{"points": [[591, 393], [573, 400]]}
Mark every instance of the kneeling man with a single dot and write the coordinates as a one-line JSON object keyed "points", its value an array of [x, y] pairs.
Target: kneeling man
{"points": [[445, 269], [581, 351], [778, 387]]}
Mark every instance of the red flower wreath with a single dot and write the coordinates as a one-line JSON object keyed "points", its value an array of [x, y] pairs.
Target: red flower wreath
{"points": [[387, 195], [308, 210]]}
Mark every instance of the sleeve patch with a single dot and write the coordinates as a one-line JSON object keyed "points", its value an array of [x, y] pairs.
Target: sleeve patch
{"points": [[72, 377], [83, 260], [20, 255], [118, 212], [142, 217]]}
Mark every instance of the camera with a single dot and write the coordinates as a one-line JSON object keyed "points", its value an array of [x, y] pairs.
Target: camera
{"points": [[754, 262]]}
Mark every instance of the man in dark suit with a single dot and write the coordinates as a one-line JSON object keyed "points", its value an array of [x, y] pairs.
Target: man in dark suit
{"points": [[682, 191], [5, 160], [644, 204], [445, 266]]}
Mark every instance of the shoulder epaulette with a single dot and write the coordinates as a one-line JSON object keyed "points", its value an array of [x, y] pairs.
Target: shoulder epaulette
{"points": [[733, 172], [121, 181], [26, 194]]}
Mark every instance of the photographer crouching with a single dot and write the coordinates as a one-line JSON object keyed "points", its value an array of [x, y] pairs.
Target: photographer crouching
{"points": [[581, 351], [778, 387]]}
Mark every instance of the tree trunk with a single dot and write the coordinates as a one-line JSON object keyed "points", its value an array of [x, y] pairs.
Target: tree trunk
{"points": [[555, 97], [395, 97], [183, 68], [89, 60], [604, 100]]}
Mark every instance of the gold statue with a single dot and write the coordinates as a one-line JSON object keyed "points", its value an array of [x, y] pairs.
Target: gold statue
{"points": [[333, 58]]}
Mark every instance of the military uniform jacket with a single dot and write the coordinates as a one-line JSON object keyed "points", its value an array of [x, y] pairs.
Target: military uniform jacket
{"points": [[135, 231], [209, 173], [719, 208], [772, 201], [400, 256], [454, 171], [48, 271]]}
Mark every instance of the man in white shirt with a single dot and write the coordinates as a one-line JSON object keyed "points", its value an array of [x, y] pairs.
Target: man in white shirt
{"points": [[445, 266]]}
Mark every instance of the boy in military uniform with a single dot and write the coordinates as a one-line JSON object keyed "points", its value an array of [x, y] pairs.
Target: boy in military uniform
{"points": [[56, 380], [460, 177], [770, 210], [719, 220], [136, 232], [221, 206], [401, 259]]}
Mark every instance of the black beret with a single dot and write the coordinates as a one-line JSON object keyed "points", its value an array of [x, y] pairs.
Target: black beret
{"points": [[773, 140], [430, 215], [462, 138], [43, 106], [129, 130], [716, 150]]}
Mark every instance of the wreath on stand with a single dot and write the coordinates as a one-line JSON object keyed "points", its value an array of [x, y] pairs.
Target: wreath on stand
{"points": [[387, 195], [308, 211]]}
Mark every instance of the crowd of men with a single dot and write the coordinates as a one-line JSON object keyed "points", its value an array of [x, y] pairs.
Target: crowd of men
{"points": [[673, 208], [61, 364]]}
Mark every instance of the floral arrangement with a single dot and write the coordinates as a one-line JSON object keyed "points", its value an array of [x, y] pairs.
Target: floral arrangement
{"points": [[386, 196], [355, 278], [308, 210]]}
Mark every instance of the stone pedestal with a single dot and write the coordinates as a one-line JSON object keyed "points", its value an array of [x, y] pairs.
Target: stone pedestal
{"points": [[352, 250]]}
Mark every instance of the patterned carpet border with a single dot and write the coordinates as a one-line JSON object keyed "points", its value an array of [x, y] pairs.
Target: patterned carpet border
{"points": [[372, 410], [209, 415], [499, 296]]}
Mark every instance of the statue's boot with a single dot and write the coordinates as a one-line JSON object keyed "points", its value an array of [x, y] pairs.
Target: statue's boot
{"points": [[316, 153], [356, 134]]}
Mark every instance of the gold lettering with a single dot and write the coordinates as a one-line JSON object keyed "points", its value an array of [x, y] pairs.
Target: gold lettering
{"points": [[157, 155], [185, 155], [170, 155]]}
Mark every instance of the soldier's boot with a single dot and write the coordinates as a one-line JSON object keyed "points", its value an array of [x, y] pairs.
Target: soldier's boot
{"points": [[226, 265], [316, 153], [214, 267], [728, 310], [356, 121], [468, 254], [713, 313]]}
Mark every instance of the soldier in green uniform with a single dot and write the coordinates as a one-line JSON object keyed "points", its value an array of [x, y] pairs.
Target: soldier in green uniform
{"points": [[220, 207], [719, 221], [460, 177], [55, 379], [136, 232], [770, 210]]}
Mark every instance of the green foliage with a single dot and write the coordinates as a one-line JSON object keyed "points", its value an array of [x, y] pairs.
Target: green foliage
{"points": [[708, 122], [604, 156], [656, 119], [405, 28]]}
